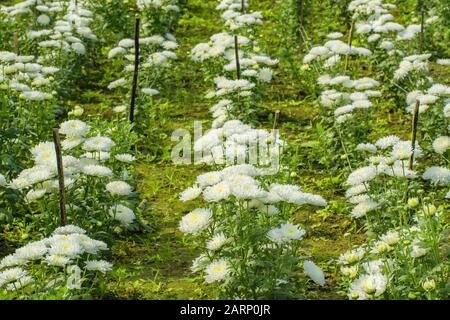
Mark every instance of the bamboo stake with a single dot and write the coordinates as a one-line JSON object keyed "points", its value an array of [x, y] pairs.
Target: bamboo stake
{"points": [[414, 134], [349, 42], [136, 69], [236, 53], [59, 163], [16, 43], [422, 29]]}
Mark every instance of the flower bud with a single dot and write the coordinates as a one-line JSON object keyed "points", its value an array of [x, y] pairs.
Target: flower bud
{"points": [[429, 285], [413, 202], [429, 210], [78, 111]]}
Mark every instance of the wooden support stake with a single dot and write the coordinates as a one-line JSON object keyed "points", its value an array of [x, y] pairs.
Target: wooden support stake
{"points": [[16, 43], [136, 69], [349, 43], [236, 52], [414, 134], [243, 6], [422, 29], [59, 163]]}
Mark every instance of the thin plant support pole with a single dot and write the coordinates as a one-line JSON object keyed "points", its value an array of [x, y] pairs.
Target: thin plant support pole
{"points": [[236, 53], [422, 29], [243, 6], [16, 43], [59, 164], [275, 125], [349, 43], [415, 121], [136, 69]]}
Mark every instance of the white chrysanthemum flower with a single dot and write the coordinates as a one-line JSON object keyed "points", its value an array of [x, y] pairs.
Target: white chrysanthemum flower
{"points": [[335, 35], [71, 142], [150, 91], [98, 144], [116, 51], [57, 260], [34, 195], [216, 242], [446, 110], [69, 229], [386, 142], [265, 75], [417, 251], [97, 170], [402, 150], [391, 237], [69, 248], [437, 175], [117, 83], [285, 233], [293, 194], [314, 272], [364, 207], [195, 221], [78, 48], [352, 256], [366, 147], [355, 190], [43, 20], [98, 265], [443, 62], [200, 263], [358, 198], [11, 260], [361, 175], [119, 188], [91, 246], [11, 275], [217, 192], [35, 95], [31, 251], [217, 271], [190, 193], [441, 144], [292, 231], [74, 128], [122, 214], [125, 157], [209, 178], [126, 43], [368, 286]]}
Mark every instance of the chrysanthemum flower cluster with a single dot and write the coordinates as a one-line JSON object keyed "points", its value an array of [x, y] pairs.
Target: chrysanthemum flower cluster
{"points": [[92, 164], [68, 252], [376, 269]]}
